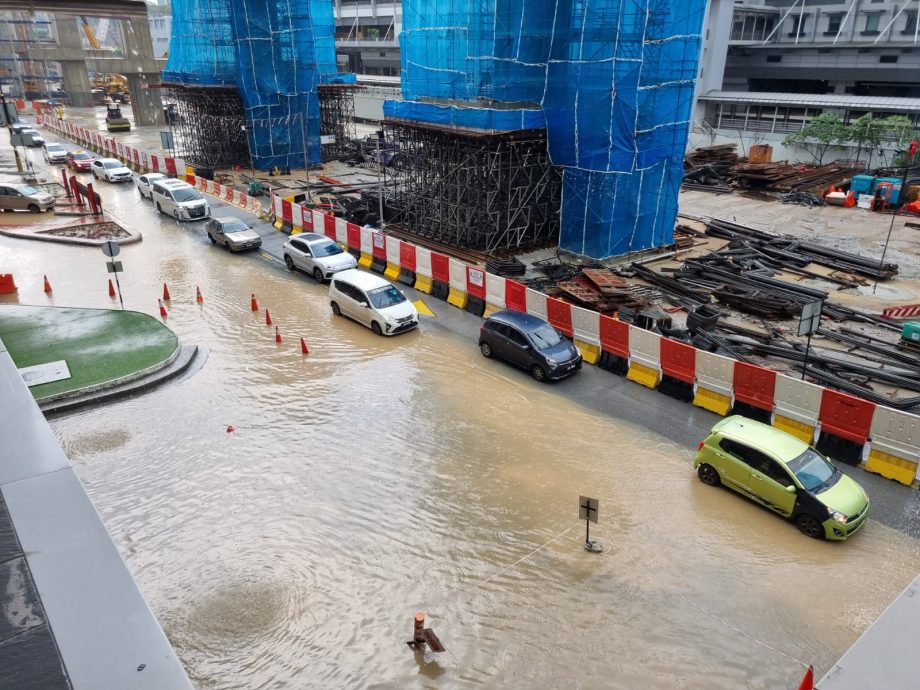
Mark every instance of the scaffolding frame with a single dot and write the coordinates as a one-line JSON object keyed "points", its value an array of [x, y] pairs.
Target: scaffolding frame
{"points": [[477, 190], [211, 127], [336, 118]]}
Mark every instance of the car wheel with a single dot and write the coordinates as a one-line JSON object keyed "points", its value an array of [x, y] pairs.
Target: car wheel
{"points": [[159, 209], [213, 241], [376, 328], [176, 215], [33, 208], [708, 475], [317, 275], [538, 372], [485, 349], [335, 309], [810, 526], [289, 262]]}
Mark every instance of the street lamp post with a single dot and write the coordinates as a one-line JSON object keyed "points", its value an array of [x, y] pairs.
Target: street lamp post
{"points": [[380, 178]]}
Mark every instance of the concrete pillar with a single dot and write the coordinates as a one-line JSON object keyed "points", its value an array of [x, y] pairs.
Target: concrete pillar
{"points": [[145, 102], [74, 72], [717, 29]]}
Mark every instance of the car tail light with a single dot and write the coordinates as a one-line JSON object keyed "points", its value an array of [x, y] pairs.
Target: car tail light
{"points": [[700, 447]]}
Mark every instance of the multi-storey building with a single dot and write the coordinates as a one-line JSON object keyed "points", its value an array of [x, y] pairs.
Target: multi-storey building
{"points": [[773, 65], [367, 36]]}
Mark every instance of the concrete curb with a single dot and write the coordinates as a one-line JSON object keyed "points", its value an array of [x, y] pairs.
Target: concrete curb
{"points": [[134, 237]]}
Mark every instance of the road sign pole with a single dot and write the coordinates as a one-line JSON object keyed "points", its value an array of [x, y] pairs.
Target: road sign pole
{"points": [[807, 350], [118, 286]]}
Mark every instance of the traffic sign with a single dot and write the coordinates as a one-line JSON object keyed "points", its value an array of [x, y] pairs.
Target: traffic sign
{"points": [[110, 248], [810, 321], [114, 266], [587, 508]]}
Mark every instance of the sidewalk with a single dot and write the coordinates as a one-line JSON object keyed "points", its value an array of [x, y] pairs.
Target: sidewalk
{"points": [[99, 346]]}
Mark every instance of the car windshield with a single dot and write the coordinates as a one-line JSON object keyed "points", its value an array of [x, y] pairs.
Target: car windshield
{"points": [[235, 225], [82, 157], [54, 147], [386, 296], [26, 190], [328, 248], [112, 164], [187, 194], [812, 469], [545, 336]]}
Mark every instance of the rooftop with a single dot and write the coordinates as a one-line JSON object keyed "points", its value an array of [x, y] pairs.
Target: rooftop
{"points": [[818, 100]]}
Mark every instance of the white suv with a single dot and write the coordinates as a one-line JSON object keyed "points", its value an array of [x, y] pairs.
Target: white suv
{"points": [[317, 255], [179, 199], [372, 301], [111, 169]]}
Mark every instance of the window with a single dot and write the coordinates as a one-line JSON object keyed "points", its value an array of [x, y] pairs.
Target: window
{"points": [[516, 337], [833, 24], [872, 21], [798, 25], [300, 246], [911, 26], [774, 58], [887, 59]]}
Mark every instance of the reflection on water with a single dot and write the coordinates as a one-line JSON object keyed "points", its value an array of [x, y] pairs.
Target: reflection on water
{"points": [[380, 477]]}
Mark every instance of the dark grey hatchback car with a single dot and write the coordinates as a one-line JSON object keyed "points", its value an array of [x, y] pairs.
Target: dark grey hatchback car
{"points": [[530, 343]]}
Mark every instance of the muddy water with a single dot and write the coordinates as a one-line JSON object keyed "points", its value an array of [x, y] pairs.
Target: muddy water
{"points": [[380, 477]]}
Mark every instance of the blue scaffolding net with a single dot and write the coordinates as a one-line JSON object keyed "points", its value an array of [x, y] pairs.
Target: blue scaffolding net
{"points": [[615, 81], [276, 52]]}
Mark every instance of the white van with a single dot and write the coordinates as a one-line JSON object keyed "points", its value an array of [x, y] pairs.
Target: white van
{"points": [[370, 300], [179, 199]]}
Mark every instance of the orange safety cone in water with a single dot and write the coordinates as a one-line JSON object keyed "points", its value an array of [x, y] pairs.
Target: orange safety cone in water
{"points": [[163, 313], [253, 304], [230, 429], [303, 347], [166, 297], [268, 318], [111, 288], [198, 297], [47, 285], [277, 335], [808, 682]]}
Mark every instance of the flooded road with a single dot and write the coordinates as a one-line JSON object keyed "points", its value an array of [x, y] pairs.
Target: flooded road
{"points": [[380, 477]]}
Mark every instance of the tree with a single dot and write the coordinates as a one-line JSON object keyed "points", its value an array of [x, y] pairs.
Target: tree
{"points": [[865, 132], [818, 136]]}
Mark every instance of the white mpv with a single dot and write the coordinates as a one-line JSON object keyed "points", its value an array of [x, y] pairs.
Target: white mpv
{"points": [[372, 301], [179, 199]]}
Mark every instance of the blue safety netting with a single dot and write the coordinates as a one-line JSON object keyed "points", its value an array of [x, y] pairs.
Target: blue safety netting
{"points": [[615, 79], [276, 52], [202, 51], [486, 119]]}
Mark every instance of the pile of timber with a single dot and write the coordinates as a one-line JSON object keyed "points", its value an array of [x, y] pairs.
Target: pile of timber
{"points": [[709, 168], [783, 177]]}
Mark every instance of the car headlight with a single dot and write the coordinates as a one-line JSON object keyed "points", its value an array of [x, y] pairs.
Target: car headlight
{"points": [[552, 362], [837, 515]]}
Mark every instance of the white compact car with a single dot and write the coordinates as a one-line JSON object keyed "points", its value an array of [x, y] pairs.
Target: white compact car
{"points": [[54, 152], [372, 301], [145, 182], [180, 200], [317, 255], [111, 169]]}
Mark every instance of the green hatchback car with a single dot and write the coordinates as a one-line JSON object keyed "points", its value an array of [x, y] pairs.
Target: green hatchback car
{"points": [[784, 474]]}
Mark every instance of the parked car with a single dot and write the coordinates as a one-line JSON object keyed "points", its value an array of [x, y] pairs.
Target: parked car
{"points": [[79, 161], [111, 170], [372, 301], [530, 343], [233, 233], [145, 182], [785, 474], [23, 197], [54, 152], [179, 199], [317, 255]]}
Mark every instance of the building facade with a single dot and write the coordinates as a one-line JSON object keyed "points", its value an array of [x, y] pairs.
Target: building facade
{"points": [[784, 62]]}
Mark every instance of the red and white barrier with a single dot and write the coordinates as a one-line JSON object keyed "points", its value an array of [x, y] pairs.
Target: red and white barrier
{"points": [[644, 357], [715, 376], [457, 281], [586, 327], [797, 407], [894, 451]]}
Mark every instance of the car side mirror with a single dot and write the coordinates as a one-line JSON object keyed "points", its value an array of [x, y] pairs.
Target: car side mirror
{"points": [[791, 489]]}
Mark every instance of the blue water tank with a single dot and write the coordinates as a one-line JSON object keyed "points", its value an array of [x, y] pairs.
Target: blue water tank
{"points": [[861, 184]]}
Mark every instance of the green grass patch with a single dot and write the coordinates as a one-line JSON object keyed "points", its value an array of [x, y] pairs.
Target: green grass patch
{"points": [[99, 345]]}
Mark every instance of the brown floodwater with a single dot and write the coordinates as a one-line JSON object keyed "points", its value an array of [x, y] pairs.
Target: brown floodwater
{"points": [[380, 477]]}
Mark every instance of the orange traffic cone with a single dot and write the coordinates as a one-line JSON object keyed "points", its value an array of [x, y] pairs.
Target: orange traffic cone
{"points": [[111, 288], [268, 318], [253, 304], [277, 335], [198, 297], [850, 201], [808, 682], [47, 285], [163, 313], [303, 347], [166, 297]]}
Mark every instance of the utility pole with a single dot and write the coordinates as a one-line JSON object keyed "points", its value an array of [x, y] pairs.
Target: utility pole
{"points": [[306, 161], [380, 178]]}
